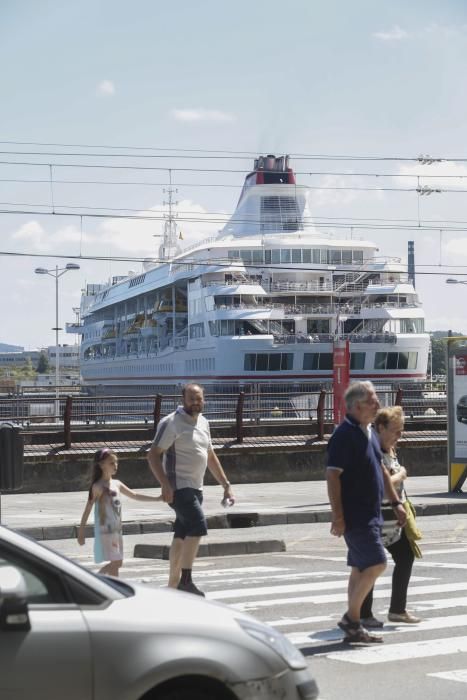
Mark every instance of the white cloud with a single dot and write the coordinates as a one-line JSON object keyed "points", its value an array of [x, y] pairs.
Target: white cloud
{"points": [[31, 232], [143, 238], [334, 192], [106, 88], [394, 34], [39, 239], [201, 115]]}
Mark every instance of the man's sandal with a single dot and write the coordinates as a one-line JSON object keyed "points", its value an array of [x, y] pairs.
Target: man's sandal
{"points": [[362, 637]]}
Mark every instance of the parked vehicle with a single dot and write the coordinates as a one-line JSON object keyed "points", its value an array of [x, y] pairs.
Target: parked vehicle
{"points": [[461, 409], [68, 633]]}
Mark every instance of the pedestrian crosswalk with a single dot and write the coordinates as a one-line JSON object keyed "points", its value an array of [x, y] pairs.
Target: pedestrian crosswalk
{"points": [[305, 596]]}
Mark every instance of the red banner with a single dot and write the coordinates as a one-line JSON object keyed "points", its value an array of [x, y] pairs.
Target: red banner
{"points": [[341, 377]]}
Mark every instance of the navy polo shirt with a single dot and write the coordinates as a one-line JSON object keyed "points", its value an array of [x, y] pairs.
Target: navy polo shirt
{"points": [[362, 485]]}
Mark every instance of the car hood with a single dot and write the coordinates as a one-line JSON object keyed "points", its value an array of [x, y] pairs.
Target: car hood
{"points": [[167, 624]]}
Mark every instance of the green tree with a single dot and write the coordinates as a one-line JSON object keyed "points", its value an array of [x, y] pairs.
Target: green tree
{"points": [[438, 349], [43, 363]]}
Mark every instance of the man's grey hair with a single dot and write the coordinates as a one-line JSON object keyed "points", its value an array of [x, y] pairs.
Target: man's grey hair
{"points": [[357, 391]]}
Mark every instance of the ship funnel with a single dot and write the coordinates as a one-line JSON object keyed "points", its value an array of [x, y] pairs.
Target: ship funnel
{"points": [[270, 162]]}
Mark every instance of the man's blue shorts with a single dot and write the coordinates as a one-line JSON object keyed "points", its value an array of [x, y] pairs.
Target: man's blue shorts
{"points": [[365, 547], [190, 520]]}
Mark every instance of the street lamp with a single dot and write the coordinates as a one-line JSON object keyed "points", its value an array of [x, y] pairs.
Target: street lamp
{"points": [[451, 280], [56, 273]]}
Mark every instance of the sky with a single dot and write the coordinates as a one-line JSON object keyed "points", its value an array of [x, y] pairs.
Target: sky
{"points": [[369, 78]]}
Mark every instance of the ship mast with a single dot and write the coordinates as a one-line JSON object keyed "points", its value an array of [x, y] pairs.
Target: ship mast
{"points": [[169, 246]]}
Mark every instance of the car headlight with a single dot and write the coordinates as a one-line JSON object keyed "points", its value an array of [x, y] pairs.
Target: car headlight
{"points": [[276, 641]]}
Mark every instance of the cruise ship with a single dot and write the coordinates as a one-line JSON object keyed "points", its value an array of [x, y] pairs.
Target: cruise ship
{"points": [[262, 302]]}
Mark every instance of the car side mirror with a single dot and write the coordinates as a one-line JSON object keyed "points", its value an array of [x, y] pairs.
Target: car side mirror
{"points": [[14, 615]]}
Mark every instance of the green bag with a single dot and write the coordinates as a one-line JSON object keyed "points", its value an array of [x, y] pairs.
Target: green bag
{"points": [[411, 529]]}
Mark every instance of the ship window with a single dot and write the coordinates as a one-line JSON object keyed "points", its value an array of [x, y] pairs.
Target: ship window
{"points": [[275, 256], [267, 257], [412, 325], [257, 256], [197, 330], [285, 255], [234, 254], [357, 360], [280, 214], [306, 255], [250, 362], [358, 256], [392, 360], [347, 257], [324, 256], [316, 256], [336, 257], [317, 360], [296, 255], [273, 362], [396, 360], [245, 256]]}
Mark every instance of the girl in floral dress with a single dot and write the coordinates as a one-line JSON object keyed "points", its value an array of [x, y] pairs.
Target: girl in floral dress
{"points": [[104, 495]]}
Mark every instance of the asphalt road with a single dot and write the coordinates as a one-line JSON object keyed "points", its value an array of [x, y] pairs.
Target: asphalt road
{"points": [[303, 591]]}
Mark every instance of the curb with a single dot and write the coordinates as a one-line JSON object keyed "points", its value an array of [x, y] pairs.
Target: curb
{"points": [[227, 521], [213, 549]]}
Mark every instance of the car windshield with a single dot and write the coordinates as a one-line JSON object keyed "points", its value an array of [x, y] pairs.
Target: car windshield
{"points": [[123, 588]]}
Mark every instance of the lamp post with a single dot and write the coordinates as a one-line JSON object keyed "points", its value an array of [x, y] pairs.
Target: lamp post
{"points": [[56, 273], [452, 280]]}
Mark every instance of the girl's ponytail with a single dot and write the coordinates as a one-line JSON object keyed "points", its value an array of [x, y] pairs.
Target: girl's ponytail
{"points": [[96, 472]]}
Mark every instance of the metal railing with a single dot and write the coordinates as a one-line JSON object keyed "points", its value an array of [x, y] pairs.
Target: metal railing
{"points": [[255, 404]]}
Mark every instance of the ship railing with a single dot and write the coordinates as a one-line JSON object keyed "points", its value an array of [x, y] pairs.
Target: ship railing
{"points": [[239, 307], [290, 338], [178, 342], [192, 246], [294, 402]]}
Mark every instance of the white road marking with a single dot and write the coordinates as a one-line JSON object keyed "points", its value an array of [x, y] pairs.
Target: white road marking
{"points": [[286, 621], [457, 550], [391, 628], [440, 565], [440, 604], [342, 597], [459, 675], [404, 651], [289, 588]]}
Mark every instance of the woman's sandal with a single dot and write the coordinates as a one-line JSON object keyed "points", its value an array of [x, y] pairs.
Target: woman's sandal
{"points": [[356, 634]]}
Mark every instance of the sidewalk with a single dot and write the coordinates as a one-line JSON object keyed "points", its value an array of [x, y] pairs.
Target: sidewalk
{"points": [[53, 516]]}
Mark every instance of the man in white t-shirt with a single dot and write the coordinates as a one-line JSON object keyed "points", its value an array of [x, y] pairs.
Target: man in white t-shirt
{"points": [[179, 455]]}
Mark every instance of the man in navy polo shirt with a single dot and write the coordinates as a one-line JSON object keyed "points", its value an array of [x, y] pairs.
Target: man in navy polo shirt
{"points": [[357, 481]]}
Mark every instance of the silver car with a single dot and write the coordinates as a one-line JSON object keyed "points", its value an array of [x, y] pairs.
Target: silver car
{"points": [[67, 633]]}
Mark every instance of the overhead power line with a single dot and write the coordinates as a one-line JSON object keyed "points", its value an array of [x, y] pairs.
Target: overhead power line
{"points": [[228, 263], [199, 219], [229, 153]]}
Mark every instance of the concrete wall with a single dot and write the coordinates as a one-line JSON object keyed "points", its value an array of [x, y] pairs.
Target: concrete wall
{"points": [[70, 472]]}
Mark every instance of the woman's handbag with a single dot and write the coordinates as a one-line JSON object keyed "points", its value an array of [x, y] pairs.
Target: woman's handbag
{"points": [[411, 528]]}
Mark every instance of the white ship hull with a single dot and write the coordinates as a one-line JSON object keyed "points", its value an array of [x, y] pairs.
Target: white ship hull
{"points": [[261, 303]]}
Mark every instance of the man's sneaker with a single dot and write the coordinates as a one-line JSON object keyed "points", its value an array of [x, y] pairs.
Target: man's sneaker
{"points": [[371, 622], [405, 617], [190, 588]]}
